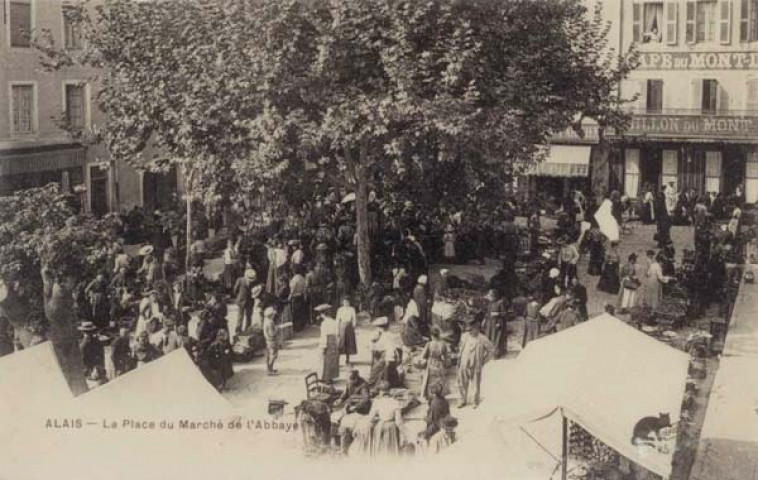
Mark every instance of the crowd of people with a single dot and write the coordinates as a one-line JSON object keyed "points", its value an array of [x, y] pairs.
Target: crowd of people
{"points": [[305, 273]]}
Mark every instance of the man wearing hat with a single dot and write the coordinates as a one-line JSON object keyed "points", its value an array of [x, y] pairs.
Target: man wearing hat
{"points": [[567, 260], [93, 353], [243, 299], [475, 351], [271, 335]]}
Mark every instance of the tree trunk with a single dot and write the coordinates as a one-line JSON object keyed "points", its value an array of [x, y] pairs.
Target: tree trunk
{"points": [[361, 213], [188, 174], [59, 310], [17, 314]]}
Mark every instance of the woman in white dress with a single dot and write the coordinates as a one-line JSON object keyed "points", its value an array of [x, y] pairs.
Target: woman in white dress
{"points": [[449, 240], [347, 320], [654, 284], [386, 411]]}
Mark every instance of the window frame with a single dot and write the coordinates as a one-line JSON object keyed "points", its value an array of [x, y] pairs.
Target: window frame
{"points": [[34, 114], [64, 30], [86, 111], [7, 5], [713, 96], [748, 21], [671, 25], [648, 96]]}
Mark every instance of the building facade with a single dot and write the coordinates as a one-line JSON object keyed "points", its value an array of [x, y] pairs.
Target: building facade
{"points": [[695, 119], [35, 104]]}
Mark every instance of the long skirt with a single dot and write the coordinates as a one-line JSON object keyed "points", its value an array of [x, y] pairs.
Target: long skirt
{"points": [[299, 312], [628, 298], [362, 438], [347, 345], [435, 374], [386, 439], [609, 280], [330, 360], [229, 276]]}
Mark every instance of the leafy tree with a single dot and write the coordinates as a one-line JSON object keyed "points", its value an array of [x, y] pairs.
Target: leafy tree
{"points": [[350, 86], [398, 86], [46, 248]]}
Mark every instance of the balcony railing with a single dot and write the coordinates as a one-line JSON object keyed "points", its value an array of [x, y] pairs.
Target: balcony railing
{"points": [[691, 112]]}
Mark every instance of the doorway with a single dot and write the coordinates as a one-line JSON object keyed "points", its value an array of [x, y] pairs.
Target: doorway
{"points": [[98, 196], [650, 169]]}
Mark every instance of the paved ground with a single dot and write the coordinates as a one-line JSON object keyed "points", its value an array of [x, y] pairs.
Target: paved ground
{"points": [[299, 356]]}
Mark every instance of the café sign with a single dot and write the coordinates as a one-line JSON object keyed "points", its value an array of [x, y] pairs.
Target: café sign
{"points": [[717, 127], [698, 61]]}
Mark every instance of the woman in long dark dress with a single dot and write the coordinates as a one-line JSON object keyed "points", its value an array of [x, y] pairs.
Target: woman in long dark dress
{"points": [[609, 280], [219, 357], [595, 240], [347, 318]]}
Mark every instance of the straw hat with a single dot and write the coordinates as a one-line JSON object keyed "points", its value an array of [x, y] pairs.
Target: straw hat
{"points": [[554, 272], [257, 290], [86, 327], [324, 307], [423, 279], [250, 274], [146, 250]]}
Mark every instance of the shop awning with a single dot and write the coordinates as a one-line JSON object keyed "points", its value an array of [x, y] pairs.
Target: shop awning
{"points": [[59, 159], [564, 161]]}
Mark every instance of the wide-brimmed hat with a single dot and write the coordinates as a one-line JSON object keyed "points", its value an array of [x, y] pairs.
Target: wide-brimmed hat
{"points": [[444, 271], [269, 312], [250, 274], [554, 273], [146, 250], [423, 279], [86, 327], [257, 289], [380, 322], [408, 204], [292, 243], [321, 247], [324, 307]]}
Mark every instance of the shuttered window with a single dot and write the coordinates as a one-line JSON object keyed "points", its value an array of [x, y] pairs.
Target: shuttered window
{"points": [[749, 20], [690, 21], [636, 22], [710, 96], [21, 24], [22, 109], [654, 103], [752, 95], [725, 21], [672, 17]]}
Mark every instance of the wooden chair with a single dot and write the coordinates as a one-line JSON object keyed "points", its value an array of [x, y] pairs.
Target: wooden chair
{"points": [[315, 386]]}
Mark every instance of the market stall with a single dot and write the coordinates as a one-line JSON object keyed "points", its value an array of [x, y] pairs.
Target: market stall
{"points": [[606, 377]]}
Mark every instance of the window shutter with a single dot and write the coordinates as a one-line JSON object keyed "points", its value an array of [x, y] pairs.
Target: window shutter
{"points": [[672, 16], [752, 94], [744, 21], [697, 94], [641, 104], [722, 101], [690, 21], [725, 21], [636, 22]]}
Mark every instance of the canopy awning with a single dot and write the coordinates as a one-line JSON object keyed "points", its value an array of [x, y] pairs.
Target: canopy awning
{"points": [[578, 371], [564, 161]]}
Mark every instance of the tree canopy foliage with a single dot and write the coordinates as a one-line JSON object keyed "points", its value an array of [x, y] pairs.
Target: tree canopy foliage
{"points": [[241, 91]]}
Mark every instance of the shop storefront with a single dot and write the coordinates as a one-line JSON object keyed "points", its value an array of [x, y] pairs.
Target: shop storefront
{"points": [[700, 153], [566, 168], [28, 169]]}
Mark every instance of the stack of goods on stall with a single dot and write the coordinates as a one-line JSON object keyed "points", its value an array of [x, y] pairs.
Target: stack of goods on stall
{"points": [[589, 452]]}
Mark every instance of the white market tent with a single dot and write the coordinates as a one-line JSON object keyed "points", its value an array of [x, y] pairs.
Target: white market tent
{"points": [[172, 380], [30, 378], [601, 374], [728, 448]]}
